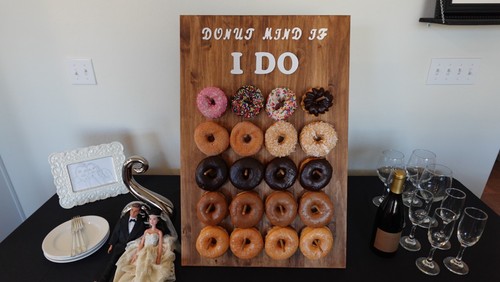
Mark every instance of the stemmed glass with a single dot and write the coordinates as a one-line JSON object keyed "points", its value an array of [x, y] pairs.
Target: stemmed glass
{"points": [[435, 178], [439, 233], [417, 162], [389, 160], [420, 204], [454, 200], [469, 231]]}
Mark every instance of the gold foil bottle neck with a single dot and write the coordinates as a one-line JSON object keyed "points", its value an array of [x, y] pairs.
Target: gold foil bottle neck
{"points": [[398, 181]]}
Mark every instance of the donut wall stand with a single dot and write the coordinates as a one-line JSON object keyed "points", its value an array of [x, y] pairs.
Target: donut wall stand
{"points": [[296, 52]]}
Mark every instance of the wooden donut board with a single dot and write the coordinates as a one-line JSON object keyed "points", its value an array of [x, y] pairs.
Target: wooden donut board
{"points": [[321, 45]]}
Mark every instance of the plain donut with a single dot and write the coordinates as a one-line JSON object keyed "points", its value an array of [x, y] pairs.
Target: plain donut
{"points": [[246, 243], [212, 242], [211, 138]]}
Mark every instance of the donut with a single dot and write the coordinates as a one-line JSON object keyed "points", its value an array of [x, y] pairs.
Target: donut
{"points": [[316, 101], [281, 208], [318, 138], [211, 208], [246, 139], [315, 173], [246, 243], [280, 173], [315, 242], [246, 209], [211, 173], [281, 139], [211, 138], [246, 173], [315, 209], [281, 103], [212, 242], [212, 102], [281, 242], [247, 101]]}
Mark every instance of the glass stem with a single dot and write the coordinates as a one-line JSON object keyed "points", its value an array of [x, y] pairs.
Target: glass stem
{"points": [[431, 254], [460, 253], [412, 232]]}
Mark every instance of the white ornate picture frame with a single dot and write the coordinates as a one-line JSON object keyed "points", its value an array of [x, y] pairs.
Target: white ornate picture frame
{"points": [[88, 174]]}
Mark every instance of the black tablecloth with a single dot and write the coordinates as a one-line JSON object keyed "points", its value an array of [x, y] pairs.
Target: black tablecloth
{"points": [[22, 259]]}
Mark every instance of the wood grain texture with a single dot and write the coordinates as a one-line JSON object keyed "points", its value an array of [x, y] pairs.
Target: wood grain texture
{"points": [[322, 63]]}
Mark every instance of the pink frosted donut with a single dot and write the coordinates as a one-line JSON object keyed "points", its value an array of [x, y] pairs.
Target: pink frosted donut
{"points": [[281, 103], [212, 102]]}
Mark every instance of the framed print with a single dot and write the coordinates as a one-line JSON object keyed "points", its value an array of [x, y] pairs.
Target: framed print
{"points": [[88, 174], [471, 8]]}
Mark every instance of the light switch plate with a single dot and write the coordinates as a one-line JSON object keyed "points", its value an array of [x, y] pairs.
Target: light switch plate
{"points": [[81, 71], [453, 71]]}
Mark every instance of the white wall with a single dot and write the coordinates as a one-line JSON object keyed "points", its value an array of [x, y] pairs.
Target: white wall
{"points": [[134, 46]]}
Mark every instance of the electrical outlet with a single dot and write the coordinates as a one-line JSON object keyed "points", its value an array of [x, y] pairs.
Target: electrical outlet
{"points": [[453, 71], [81, 71]]}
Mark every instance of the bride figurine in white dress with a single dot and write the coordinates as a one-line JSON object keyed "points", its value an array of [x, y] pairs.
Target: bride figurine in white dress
{"points": [[149, 258]]}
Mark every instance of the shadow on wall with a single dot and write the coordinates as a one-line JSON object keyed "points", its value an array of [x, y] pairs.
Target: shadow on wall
{"points": [[155, 155]]}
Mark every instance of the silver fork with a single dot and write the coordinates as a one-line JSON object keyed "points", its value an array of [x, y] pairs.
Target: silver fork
{"points": [[80, 234], [74, 240]]}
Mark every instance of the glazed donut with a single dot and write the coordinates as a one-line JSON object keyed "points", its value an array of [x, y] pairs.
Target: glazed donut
{"points": [[246, 173], [316, 243], [281, 242], [281, 208], [211, 138], [212, 102], [281, 103], [281, 139], [246, 243], [247, 101], [318, 138], [315, 174], [211, 209], [316, 101], [211, 173], [246, 209], [280, 173], [246, 139], [212, 242], [315, 209]]}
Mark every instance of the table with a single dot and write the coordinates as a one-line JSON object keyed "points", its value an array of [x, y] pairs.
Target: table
{"points": [[21, 256]]}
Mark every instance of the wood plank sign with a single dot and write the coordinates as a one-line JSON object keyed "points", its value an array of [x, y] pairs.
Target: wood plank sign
{"points": [[264, 109]]}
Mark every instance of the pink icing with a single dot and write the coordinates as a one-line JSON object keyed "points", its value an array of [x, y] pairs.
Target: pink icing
{"points": [[212, 102]]}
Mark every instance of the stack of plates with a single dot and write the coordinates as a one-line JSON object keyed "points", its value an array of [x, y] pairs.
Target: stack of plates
{"points": [[57, 244]]}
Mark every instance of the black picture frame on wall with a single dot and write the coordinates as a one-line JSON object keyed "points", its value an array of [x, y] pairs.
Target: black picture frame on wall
{"points": [[468, 9], [466, 12]]}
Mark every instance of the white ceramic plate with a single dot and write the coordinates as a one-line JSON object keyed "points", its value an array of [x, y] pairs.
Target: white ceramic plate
{"points": [[57, 244], [78, 257]]}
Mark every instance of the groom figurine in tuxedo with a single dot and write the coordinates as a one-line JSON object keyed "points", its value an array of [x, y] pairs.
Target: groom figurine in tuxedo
{"points": [[130, 227]]}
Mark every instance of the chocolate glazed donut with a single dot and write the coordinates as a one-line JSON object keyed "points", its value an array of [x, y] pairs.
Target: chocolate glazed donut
{"points": [[246, 173], [315, 174], [281, 173], [211, 173]]}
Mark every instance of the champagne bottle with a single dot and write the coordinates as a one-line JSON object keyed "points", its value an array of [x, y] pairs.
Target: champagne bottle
{"points": [[389, 220]]}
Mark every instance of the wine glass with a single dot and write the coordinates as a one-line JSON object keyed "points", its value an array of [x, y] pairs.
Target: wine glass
{"points": [[417, 162], [454, 200], [469, 231], [435, 178], [420, 204], [439, 233], [389, 160]]}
